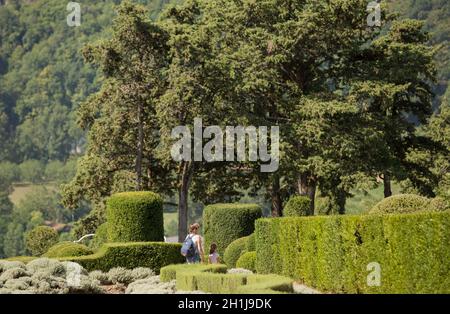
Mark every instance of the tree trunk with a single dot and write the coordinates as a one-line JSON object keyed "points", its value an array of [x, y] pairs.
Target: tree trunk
{"points": [[307, 186], [387, 185], [276, 197], [183, 195], [140, 147], [341, 200]]}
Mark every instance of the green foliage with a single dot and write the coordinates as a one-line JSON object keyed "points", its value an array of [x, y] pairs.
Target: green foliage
{"points": [[101, 236], [32, 171], [402, 203], [60, 172], [9, 173], [135, 216], [247, 261], [297, 206], [439, 204], [234, 251], [251, 243], [65, 249], [40, 239], [153, 255], [332, 253], [212, 278], [224, 223]]}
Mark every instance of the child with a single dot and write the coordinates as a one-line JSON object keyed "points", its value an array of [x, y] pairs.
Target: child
{"points": [[214, 257]]}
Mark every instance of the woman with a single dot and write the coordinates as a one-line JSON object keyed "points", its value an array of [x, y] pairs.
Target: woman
{"points": [[198, 246]]}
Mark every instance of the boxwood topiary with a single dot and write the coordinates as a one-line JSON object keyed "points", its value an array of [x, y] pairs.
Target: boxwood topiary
{"points": [[402, 203], [247, 261], [101, 236], [40, 239], [251, 243], [297, 206], [234, 251], [66, 249], [224, 223], [135, 217], [153, 255]]}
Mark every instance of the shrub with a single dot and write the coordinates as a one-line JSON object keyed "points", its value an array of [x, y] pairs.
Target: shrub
{"points": [[101, 236], [213, 279], [297, 206], [153, 255], [44, 275], [234, 251], [6, 264], [247, 261], [331, 253], [224, 223], [402, 203], [40, 239], [120, 275], [51, 267], [135, 217], [251, 243], [32, 171], [66, 249], [439, 204], [326, 205]]}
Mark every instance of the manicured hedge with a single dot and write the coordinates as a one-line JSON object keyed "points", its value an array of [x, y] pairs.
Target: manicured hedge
{"points": [[135, 217], [297, 206], [101, 236], [65, 249], [224, 223], [234, 251], [251, 243], [402, 203], [131, 255], [213, 279], [247, 261], [332, 253]]}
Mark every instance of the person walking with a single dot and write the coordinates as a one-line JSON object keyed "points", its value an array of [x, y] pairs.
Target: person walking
{"points": [[193, 247]]}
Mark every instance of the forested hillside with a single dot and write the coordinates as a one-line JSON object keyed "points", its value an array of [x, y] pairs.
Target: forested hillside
{"points": [[43, 77]]}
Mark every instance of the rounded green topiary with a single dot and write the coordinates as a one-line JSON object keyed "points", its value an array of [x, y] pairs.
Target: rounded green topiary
{"points": [[135, 217], [247, 261], [234, 251], [439, 204], [402, 203], [251, 243], [297, 206], [224, 223], [101, 236], [68, 249], [40, 239]]}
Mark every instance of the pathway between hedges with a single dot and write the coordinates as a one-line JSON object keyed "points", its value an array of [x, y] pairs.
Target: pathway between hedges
{"points": [[301, 288]]}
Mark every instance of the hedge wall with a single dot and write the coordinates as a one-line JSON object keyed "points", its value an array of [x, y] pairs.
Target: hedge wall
{"points": [[224, 223], [213, 279], [131, 255], [234, 251], [135, 217], [332, 253], [64, 249]]}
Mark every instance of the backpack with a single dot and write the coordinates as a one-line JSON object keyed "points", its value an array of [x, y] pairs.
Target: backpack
{"points": [[188, 248]]}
